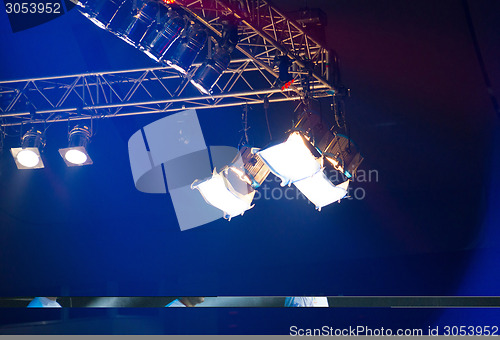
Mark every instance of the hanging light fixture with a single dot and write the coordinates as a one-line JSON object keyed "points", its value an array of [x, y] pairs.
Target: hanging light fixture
{"points": [[28, 155], [320, 190], [142, 22], [292, 160], [233, 188], [301, 159], [182, 55], [101, 12], [76, 152], [157, 42], [337, 149], [211, 70]]}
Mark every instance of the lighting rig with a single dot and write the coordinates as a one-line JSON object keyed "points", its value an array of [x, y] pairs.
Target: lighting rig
{"points": [[250, 53]]}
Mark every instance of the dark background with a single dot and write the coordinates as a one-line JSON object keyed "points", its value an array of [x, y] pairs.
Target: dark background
{"points": [[419, 110]]}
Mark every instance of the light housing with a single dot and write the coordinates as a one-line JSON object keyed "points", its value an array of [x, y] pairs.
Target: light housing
{"points": [[76, 153], [28, 155], [207, 75], [292, 160], [157, 42], [142, 22], [336, 148], [182, 55], [101, 12], [210, 71]]}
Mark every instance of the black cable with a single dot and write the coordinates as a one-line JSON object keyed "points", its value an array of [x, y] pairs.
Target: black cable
{"points": [[266, 106], [480, 59]]}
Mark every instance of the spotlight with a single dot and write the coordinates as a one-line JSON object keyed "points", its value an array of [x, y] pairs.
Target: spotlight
{"points": [[28, 155], [122, 19], [186, 51], [101, 12], [293, 160], [219, 191], [298, 161], [76, 153], [157, 42], [141, 23], [211, 70], [232, 189], [336, 148], [320, 191]]}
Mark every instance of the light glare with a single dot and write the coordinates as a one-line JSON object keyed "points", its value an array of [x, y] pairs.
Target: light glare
{"points": [[320, 191], [217, 191], [75, 156], [28, 158], [291, 161]]}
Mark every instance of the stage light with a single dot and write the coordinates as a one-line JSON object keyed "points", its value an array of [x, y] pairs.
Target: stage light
{"points": [[122, 19], [250, 166], [101, 12], [142, 22], [158, 42], [76, 153], [185, 51], [232, 190], [219, 191], [28, 155], [336, 148], [211, 70], [320, 191], [292, 160]]}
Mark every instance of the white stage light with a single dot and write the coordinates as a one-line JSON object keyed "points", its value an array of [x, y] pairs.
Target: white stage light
{"points": [[76, 153], [292, 160], [28, 155], [320, 191], [226, 192]]}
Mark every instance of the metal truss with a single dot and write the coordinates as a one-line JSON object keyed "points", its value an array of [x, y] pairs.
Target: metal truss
{"points": [[265, 32], [250, 79]]}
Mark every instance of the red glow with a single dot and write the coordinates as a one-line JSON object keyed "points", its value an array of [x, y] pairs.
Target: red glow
{"points": [[169, 2], [287, 85]]}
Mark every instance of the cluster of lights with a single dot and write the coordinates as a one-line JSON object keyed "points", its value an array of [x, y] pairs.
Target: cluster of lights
{"points": [[163, 32], [28, 155], [299, 160]]}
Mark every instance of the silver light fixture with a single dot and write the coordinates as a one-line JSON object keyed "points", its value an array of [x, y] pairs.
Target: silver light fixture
{"points": [[28, 155], [76, 152]]}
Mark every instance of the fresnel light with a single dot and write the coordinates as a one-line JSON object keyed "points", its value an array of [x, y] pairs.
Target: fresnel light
{"points": [[211, 70], [233, 188], [28, 155], [76, 152], [302, 159]]}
